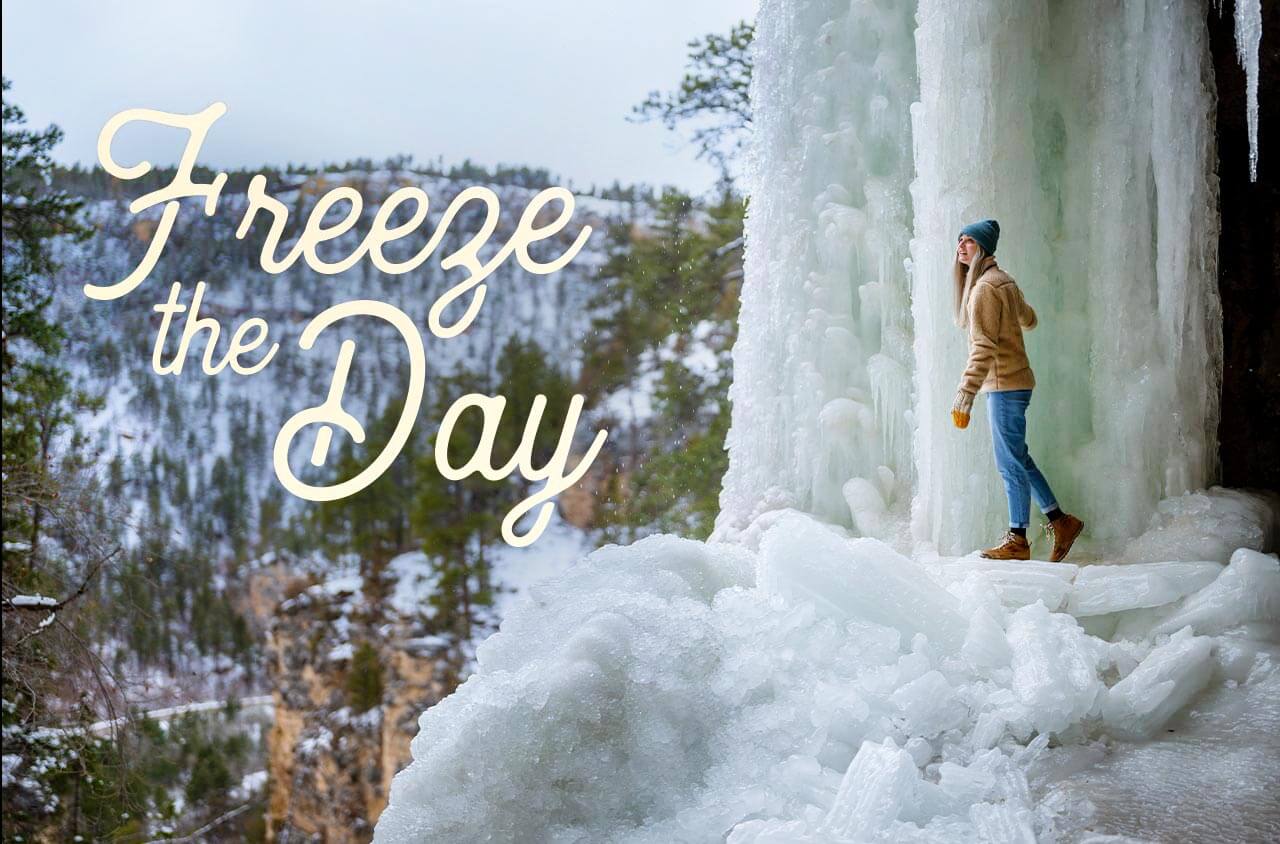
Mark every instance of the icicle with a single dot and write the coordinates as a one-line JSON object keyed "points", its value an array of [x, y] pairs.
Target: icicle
{"points": [[1248, 38], [1248, 27]]}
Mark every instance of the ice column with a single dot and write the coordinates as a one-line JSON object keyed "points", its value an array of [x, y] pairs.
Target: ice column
{"points": [[822, 368]]}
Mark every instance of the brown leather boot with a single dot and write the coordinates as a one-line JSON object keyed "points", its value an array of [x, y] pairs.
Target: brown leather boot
{"points": [[1012, 547], [1063, 530]]}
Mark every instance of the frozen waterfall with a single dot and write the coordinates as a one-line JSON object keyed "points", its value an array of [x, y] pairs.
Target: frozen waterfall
{"points": [[827, 668], [1087, 131]]}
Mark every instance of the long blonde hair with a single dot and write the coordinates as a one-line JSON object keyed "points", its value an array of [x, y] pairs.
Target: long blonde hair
{"points": [[964, 276]]}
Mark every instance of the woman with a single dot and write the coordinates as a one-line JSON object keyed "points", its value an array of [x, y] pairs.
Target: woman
{"points": [[989, 304]]}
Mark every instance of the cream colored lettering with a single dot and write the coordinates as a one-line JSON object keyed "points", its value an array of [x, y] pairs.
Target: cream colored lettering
{"points": [[194, 324], [167, 311], [260, 200], [482, 460], [315, 232], [197, 125], [331, 412], [524, 234], [468, 257], [380, 235], [239, 346], [253, 333]]}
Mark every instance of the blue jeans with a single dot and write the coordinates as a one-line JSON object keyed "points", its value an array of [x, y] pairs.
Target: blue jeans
{"points": [[1007, 412]]}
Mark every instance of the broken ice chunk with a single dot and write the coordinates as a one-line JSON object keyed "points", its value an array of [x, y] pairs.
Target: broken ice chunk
{"points": [[802, 559], [985, 645], [1236, 657], [1099, 590], [966, 785], [880, 781], [929, 704], [1055, 667], [1247, 592], [1162, 684], [1017, 583], [921, 750]]}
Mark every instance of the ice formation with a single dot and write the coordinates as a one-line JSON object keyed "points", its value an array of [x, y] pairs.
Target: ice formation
{"points": [[825, 668], [820, 687], [1086, 130]]}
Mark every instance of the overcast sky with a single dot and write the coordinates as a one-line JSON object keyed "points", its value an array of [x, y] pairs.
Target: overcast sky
{"points": [[547, 83]]}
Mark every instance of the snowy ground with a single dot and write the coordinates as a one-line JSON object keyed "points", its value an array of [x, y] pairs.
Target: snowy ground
{"points": [[1211, 774], [821, 687]]}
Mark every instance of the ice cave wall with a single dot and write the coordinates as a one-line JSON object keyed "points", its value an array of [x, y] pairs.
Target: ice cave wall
{"points": [[1088, 132]]}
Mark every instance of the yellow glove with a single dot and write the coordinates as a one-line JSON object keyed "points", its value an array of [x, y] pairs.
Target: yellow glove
{"points": [[961, 407]]}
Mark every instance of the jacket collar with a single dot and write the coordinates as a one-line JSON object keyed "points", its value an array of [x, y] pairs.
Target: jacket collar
{"points": [[989, 269]]}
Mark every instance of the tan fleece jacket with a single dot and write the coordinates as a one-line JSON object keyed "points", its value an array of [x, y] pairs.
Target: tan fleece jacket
{"points": [[997, 316]]}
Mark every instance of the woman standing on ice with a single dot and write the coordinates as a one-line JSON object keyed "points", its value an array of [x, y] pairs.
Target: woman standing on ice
{"points": [[989, 304]]}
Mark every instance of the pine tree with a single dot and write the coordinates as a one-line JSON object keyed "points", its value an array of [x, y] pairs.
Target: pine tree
{"points": [[372, 523], [37, 392], [524, 373], [364, 679], [454, 518], [671, 290], [713, 94], [46, 496]]}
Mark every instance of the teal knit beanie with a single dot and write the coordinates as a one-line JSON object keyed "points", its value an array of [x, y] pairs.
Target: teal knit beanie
{"points": [[986, 232]]}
